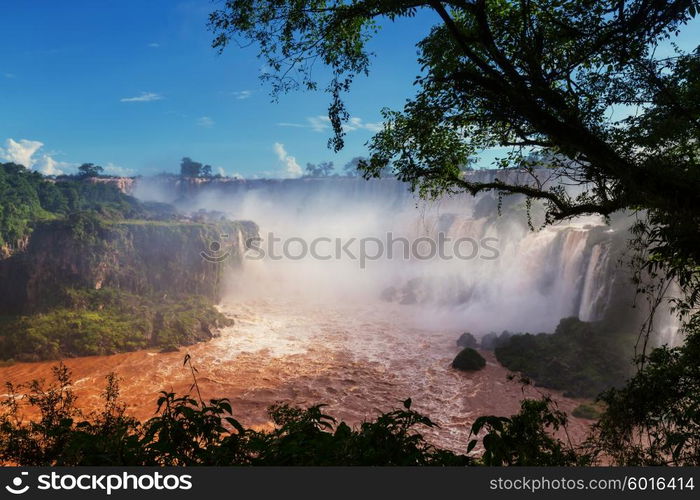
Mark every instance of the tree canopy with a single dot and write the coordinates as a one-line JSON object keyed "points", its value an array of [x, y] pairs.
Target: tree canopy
{"points": [[585, 92], [90, 170]]}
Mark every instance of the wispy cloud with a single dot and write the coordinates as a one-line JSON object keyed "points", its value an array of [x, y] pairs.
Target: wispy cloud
{"points": [[143, 97], [357, 124], [205, 121], [24, 152], [154, 45], [321, 123], [293, 125], [242, 94], [9, 75], [290, 167]]}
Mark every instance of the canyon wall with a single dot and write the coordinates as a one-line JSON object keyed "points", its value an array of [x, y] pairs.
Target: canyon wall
{"points": [[138, 257]]}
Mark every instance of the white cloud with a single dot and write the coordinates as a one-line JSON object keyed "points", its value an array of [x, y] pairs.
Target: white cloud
{"points": [[143, 97], [116, 170], [9, 75], [242, 94], [23, 152], [321, 123], [290, 166], [356, 123], [205, 121], [47, 165], [154, 45], [290, 124]]}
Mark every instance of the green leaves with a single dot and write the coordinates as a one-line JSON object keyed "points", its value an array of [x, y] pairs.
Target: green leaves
{"points": [[525, 438]]}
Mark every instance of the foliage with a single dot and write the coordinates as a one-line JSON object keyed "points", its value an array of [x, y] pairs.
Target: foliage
{"points": [[351, 168], [579, 358], [468, 359], [89, 170], [21, 195], [323, 169], [526, 439], [190, 168], [492, 340], [27, 197]]}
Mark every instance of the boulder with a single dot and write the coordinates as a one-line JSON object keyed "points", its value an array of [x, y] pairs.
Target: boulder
{"points": [[469, 360]]}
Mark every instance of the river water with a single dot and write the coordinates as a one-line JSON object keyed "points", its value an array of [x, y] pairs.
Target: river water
{"points": [[359, 359]]}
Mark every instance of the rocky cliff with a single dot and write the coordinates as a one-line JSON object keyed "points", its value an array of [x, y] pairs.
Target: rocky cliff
{"points": [[152, 258]]}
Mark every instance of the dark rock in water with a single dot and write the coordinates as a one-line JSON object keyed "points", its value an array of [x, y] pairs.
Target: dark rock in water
{"points": [[469, 360], [467, 340]]}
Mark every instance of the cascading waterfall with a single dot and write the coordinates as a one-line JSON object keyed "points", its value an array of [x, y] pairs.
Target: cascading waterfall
{"points": [[538, 277], [597, 283]]}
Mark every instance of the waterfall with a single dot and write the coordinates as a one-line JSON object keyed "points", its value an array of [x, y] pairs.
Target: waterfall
{"points": [[597, 284], [561, 270]]}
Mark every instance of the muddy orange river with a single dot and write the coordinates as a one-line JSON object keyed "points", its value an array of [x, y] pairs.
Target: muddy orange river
{"points": [[357, 359]]}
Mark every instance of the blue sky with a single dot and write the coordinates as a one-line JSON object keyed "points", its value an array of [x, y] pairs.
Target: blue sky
{"points": [[135, 86]]}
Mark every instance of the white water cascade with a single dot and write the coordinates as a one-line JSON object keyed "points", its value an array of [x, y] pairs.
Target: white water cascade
{"points": [[537, 277]]}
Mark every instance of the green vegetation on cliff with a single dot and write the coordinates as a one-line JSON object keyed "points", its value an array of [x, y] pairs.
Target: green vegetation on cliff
{"points": [[27, 197], [107, 321]]}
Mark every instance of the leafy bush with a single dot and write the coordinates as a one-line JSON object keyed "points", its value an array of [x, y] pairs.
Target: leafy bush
{"points": [[526, 439], [468, 360]]}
